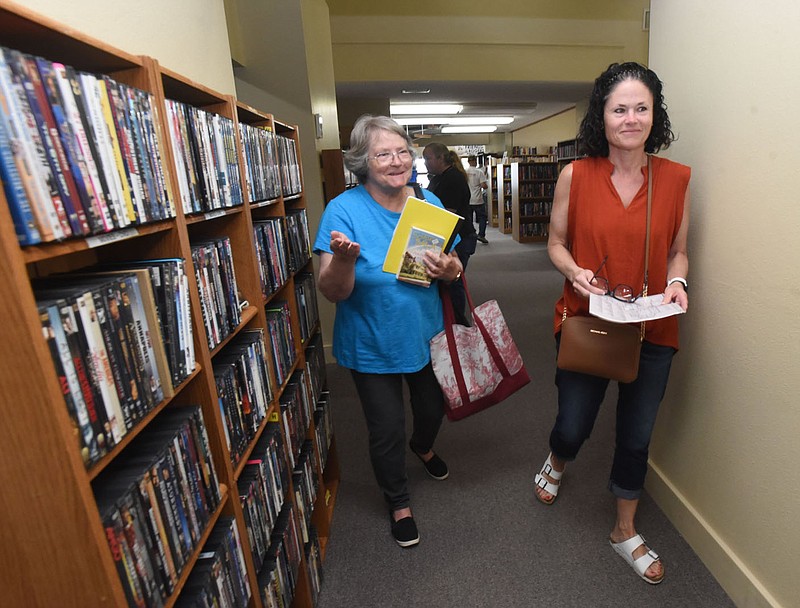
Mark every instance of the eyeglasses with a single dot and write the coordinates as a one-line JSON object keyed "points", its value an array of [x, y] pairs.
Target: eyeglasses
{"points": [[385, 158], [622, 292]]}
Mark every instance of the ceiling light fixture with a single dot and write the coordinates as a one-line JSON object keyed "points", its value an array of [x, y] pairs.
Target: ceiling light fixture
{"points": [[415, 91], [455, 120], [468, 129], [425, 108]]}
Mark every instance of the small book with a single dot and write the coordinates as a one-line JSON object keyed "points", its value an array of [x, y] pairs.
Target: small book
{"points": [[423, 215], [412, 269]]}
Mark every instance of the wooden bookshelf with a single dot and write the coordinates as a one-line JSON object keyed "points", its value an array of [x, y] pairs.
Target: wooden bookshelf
{"points": [[504, 198], [566, 152], [55, 550], [532, 189], [491, 193], [335, 176]]}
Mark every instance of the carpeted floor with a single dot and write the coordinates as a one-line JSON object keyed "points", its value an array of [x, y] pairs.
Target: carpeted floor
{"points": [[485, 540]]}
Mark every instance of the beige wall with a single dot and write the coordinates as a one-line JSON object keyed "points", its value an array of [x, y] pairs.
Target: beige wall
{"points": [[726, 451], [547, 133], [286, 69], [163, 30], [498, 47]]}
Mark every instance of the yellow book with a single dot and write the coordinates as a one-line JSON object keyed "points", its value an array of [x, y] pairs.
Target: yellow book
{"points": [[424, 216]]}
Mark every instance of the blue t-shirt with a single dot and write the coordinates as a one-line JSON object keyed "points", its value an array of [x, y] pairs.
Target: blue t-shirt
{"points": [[385, 326]]}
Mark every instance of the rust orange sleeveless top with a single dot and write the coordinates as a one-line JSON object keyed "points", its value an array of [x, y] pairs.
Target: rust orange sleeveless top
{"points": [[600, 226]]}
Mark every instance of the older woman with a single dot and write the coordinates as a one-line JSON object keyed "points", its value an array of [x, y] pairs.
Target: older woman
{"points": [[383, 326], [599, 221]]}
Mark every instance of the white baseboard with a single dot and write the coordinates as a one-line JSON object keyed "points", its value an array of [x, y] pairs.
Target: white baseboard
{"points": [[736, 579]]}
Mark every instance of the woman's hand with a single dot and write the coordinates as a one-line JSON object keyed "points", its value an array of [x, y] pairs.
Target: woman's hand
{"points": [[337, 270], [342, 247], [444, 266], [583, 285], [676, 293]]}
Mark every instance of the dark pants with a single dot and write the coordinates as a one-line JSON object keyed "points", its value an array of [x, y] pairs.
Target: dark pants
{"points": [[579, 399], [381, 398], [481, 217]]}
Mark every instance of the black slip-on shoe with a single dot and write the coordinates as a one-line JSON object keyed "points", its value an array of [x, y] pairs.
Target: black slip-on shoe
{"points": [[435, 467], [404, 531]]}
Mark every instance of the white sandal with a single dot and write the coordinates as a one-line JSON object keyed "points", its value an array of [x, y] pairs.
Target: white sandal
{"points": [[640, 565], [541, 481]]}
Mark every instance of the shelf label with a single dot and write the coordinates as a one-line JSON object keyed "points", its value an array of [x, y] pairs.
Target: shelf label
{"points": [[274, 417], [214, 214], [111, 237]]}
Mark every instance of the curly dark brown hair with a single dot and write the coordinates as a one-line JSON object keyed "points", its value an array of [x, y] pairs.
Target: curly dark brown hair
{"points": [[591, 135]]}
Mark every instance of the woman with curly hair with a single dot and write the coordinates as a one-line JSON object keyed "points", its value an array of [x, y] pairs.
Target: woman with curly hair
{"points": [[597, 241]]}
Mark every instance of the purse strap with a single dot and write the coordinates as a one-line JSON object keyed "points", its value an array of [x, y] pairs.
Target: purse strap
{"points": [[649, 214], [647, 237]]}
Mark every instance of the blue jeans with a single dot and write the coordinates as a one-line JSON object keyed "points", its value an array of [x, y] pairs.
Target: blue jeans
{"points": [[381, 398], [579, 399]]}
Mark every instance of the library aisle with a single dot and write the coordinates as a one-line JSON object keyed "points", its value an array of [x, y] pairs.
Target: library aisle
{"points": [[485, 540]]}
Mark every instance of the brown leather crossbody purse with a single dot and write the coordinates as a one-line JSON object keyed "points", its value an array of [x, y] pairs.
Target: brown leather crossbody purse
{"points": [[601, 348]]}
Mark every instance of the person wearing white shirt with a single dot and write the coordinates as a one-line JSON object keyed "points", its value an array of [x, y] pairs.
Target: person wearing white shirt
{"points": [[477, 201]]}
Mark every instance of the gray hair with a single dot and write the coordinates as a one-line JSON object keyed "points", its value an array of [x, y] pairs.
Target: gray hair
{"points": [[356, 159]]}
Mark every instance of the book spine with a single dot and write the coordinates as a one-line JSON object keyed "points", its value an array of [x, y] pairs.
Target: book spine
{"points": [[179, 500], [181, 170], [153, 332], [97, 137], [88, 443], [117, 165], [132, 528], [147, 492], [186, 462], [102, 366], [70, 95], [163, 276], [84, 370], [68, 140], [115, 358], [142, 155], [36, 190], [121, 554], [152, 121], [171, 526], [119, 111], [119, 321], [173, 506], [40, 134], [24, 222], [152, 378], [77, 218]]}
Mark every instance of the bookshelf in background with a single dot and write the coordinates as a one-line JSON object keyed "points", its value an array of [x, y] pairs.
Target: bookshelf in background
{"points": [[167, 500], [532, 189], [491, 192], [566, 152], [504, 198], [519, 154], [336, 178]]}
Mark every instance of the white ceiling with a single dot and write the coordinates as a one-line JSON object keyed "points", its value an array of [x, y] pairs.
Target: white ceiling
{"points": [[527, 102]]}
